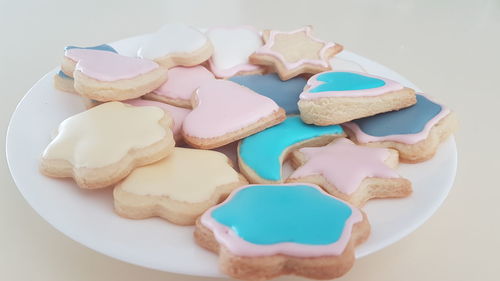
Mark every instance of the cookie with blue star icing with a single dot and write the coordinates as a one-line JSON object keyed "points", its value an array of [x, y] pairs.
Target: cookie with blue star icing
{"points": [[264, 231], [335, 97], [415, 132]]}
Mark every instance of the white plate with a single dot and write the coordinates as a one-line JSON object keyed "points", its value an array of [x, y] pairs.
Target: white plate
{"points": [[88, 217]]}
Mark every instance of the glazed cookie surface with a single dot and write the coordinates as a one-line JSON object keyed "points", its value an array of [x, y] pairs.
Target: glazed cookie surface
{"points": [[261, 156], [335, 97], [224, 111], [415, 131], [351, 172], [178, 188], [260, 231], [100, 146], [295, 52]]}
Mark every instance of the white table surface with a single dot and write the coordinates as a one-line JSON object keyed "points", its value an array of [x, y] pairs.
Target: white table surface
{"points": [[449, 48]]}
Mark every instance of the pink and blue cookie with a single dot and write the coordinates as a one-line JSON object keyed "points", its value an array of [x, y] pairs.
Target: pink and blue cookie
{"points": [[351, 172], [261, 156], [335, 97], [415, 132], [264, 231], [284, 93]]}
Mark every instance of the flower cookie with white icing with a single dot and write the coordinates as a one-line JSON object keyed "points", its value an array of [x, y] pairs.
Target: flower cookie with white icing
{"points": [[176, 45], [101, 146], [261, 156], [415, 131], [295, 52], [106, 76], [232, 48], [351, 172], [224, 111], [335, 97], [178, 188], [264, 231], [180, 86]]}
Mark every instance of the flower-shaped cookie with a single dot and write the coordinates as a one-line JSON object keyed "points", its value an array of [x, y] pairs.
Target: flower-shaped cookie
{"points": [[263, 231], [101, 146]]}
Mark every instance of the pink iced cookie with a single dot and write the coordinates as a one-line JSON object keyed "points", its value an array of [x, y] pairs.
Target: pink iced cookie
{"points": [[224, 111], [178, 114], [106, 76], [351, 172], [181, 84], [232, 48]]}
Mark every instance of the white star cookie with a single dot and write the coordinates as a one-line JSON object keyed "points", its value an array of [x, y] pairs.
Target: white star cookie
{"points": [[178, 188], [100, 146]]}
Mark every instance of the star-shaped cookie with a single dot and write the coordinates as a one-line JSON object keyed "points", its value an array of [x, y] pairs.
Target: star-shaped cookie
{"points": [[101, 146], [351, 172], [295, 52]]}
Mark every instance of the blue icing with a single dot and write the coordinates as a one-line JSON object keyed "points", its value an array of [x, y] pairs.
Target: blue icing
{"points": [[262, 151], [284, 93], [62, 75], [103, 47], [270, 214], [345, 81], [410, 120]]}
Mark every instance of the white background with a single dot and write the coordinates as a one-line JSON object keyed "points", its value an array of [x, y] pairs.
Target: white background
{"points": [[448, 48]]}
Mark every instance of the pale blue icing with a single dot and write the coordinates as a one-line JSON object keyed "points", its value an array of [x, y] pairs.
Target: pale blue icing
{"points": [[410, 120], [284, 93], [270, 214], [103, 47], [62, 75], [345, 81], [262, 151]]}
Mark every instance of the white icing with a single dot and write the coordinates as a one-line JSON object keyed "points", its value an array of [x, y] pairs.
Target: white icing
{"points": [[104, 134], [233, 46], [339, 64], [188, 175], [170, 39]]}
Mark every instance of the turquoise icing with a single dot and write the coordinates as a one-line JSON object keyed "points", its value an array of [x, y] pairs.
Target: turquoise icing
{"points": [[410, 120], [103, 47], [284, 93], [345, 81], [270, 214], [262, 151]]}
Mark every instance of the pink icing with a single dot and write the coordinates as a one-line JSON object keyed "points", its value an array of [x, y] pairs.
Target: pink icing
{"points": [[177, 113], [227, 237], [108, 66], [389, 86], [224, 107], [228, 72], [344, 164], [183, 81], [323, 61], [362, 137]]}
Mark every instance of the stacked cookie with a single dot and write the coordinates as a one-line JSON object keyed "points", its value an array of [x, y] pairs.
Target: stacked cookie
{"points": [[155, 119]]}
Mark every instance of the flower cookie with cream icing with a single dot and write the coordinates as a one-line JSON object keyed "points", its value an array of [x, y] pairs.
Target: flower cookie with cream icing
{"points": [[415, 131], [295, 52], [264, 231], [180, 86], [224, 111], [176, 45], [232, 48], [351, 172], [101, 146], [335, 97], [106, 76], [261, 156], [178, 188]]}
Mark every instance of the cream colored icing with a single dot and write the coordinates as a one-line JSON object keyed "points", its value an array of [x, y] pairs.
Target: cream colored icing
{"points": [[188, 175], [105, 134]]}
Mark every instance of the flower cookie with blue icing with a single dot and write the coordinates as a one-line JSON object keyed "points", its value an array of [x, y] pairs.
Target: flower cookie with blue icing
{"points": [[415, 132], [64, 82], [261, 156], [264, 231], [351, 172], [335, 97]]}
